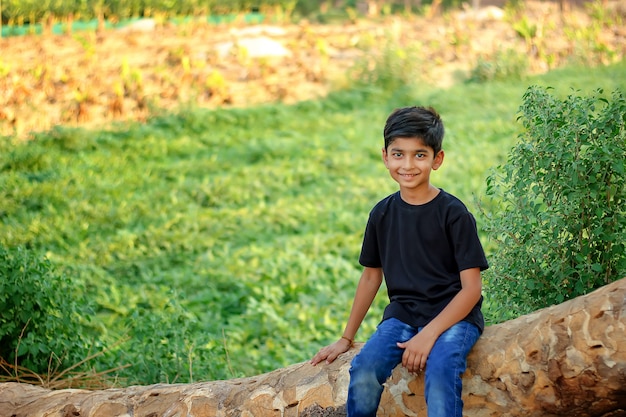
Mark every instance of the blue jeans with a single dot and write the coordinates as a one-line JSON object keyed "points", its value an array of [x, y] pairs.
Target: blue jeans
{"points": [[446, 362]]}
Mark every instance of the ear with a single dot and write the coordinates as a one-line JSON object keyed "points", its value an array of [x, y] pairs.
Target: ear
{"points": [[438, 160], [385, 156]]}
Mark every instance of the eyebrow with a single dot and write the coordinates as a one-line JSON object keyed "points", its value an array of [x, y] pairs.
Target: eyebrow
{"points": [[420, 150]]}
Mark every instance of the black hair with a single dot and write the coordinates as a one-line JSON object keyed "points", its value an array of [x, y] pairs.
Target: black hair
{"points": [[415, 122]]}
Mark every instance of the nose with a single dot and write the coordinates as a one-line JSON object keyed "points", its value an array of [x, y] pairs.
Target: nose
{"points": [[408, 163]]}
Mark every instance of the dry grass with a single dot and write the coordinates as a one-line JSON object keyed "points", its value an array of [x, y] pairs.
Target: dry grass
{"points": [[74, 376]]}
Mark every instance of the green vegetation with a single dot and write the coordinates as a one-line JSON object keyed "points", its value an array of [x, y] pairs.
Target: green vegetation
{"points": [[218, 244], [504, 65], [561, 228], [38, 11], [35, 306]]}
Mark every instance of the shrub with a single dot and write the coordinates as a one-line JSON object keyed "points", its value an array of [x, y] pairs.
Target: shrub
{"points": [[389, 67], [168, 350], [506, 64], [562, 229], [40, 319]]}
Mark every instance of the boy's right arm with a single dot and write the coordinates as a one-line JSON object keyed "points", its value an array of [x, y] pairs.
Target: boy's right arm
{"points": [[366, 291]]}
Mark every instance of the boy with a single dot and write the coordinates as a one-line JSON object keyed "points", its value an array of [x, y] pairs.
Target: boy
{"points": [[425, 243]]}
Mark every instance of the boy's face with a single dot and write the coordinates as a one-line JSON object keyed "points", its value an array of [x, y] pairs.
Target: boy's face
{"points": [[410, 162]]}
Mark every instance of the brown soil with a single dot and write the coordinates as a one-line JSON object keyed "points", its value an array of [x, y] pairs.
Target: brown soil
{"points": [[91, 79]]}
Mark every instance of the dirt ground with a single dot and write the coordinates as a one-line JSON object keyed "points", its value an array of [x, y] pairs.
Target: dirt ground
{"points": [[91, 79]]}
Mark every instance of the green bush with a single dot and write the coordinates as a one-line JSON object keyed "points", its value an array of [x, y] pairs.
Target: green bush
{"points": [[390, 66], [562, 231], [508, 64], [168, 350], [40, 314]]}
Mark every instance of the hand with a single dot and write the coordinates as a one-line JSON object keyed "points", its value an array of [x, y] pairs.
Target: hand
{"points": [[416, 352], [330, 352]]}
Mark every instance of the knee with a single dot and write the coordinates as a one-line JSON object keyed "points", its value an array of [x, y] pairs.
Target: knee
{"points": [[361, 375], [367, 370]]}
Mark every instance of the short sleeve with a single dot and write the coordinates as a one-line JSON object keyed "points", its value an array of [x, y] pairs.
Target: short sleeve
{"points": [[468, 250], [370, 251]]}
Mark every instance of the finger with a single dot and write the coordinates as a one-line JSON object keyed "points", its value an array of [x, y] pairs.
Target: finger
{"points": [[320, 356], [407, 360], [318, 360], [414, 364], [418, 366]]}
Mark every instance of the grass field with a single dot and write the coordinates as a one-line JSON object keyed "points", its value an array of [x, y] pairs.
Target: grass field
{"points": [[218, 244]]}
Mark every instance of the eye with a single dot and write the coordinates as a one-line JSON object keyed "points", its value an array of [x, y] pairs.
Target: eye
{"points": [[397, 154], [420, 155]]}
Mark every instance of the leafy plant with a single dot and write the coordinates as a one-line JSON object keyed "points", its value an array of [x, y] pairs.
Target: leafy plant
{"points": [[40, 314], [588, 45], [167, 345], [605, 16], [391, 66], [525, 29], [562, 230], [505, 64]]}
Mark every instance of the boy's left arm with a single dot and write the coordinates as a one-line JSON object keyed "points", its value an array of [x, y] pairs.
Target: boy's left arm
{"points": [[416, 349]]}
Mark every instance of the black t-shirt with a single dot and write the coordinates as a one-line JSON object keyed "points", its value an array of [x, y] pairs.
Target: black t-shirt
{"points": [[422, 250]]}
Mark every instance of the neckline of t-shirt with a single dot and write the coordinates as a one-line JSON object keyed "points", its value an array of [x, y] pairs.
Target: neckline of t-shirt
{"points": [[414, 206]]}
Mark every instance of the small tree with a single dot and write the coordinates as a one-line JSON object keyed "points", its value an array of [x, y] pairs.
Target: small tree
{"points": [[562, 229]]}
